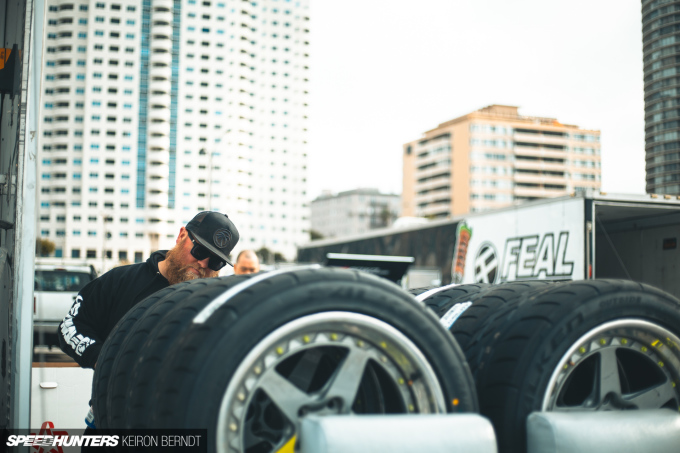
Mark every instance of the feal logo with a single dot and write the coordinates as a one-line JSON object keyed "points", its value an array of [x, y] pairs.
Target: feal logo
{"points": [[525, 258], [531, 257]]}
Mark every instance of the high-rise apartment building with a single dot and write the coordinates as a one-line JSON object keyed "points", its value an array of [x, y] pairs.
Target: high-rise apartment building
{"points": [[661, 56], [495, 157], [153, 110], [353, 212]]}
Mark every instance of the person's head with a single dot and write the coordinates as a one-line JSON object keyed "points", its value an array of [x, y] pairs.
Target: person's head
{"points": [[202, 248], [246, 263]]}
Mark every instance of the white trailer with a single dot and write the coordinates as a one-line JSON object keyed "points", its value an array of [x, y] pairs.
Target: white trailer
{"points": [[583, 236]]}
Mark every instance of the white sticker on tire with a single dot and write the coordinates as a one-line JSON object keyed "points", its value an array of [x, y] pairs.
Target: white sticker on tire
{"points": [[454, 313]]}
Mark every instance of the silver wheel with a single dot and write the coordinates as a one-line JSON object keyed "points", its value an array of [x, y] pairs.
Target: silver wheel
{"points": [[620, 365], [324, 363]]}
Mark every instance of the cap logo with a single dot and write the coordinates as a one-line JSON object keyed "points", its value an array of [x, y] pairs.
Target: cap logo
{"points": [[222, 238]]}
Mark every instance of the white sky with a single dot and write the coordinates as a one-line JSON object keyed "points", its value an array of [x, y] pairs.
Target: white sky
{"points": [[382, 72]]}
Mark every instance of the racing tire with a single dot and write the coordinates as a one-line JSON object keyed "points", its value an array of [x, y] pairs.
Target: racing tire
{"points": [[464, 315], [323, 341], [108, 353], [127, 355], [148, 342], [578, 346]]}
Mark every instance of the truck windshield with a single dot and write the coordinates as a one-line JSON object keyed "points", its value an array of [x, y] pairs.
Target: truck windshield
{"points": [[61, 280]]}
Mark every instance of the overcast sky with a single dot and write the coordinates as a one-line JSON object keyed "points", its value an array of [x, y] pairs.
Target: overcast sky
{"points": [[385, 71]]}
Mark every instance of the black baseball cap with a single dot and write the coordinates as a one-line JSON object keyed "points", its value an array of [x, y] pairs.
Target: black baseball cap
{"points": [[214, 231]]}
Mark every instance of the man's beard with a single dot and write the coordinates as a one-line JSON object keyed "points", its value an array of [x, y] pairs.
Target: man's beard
{"points": [[179, 272]]}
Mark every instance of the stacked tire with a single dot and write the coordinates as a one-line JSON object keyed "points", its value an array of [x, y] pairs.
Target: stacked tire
{"points": [[576, 346], [246, 357]]}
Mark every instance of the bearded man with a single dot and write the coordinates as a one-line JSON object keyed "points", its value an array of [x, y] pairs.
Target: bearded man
{"points": [[202, 248]]}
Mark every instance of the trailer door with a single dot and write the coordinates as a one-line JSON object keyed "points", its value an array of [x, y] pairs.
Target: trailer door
{"points": [[638, 241]]}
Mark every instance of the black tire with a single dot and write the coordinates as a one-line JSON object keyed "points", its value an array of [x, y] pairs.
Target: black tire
{"points": [[295, 329], [117, 397], [102, 371], [551, 350], [465, 315], [151, 338]]}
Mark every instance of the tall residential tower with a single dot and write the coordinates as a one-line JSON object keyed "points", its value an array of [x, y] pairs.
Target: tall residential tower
{"points": [[495, 157], [154, 110], [661, 49]]}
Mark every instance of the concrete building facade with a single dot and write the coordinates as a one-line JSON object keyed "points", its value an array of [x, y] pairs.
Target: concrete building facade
{"points": [[495, 157], [353, 212], [661, 58], [154, 110]]}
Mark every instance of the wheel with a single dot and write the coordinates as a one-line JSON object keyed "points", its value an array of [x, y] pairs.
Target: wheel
{"points": [[325, 341], [586, 345]]}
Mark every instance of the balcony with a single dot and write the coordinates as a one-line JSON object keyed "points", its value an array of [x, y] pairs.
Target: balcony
{"points": [[156, 197], [433, 184], [160, 85], [158, 142], [433, 171], [165, 4], [164, 44], [433, 197], [164, 73], [161, 30], [539, 165], [158, 160], [160, 57], [156, 181], [538, 192], [160, 114], [437, 211], [158, 128], [539, 138], [538, 152], [539, 179], [165, 16]]}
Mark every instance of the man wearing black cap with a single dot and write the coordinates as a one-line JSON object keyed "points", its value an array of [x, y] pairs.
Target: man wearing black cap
{"points": [[202, 248]]}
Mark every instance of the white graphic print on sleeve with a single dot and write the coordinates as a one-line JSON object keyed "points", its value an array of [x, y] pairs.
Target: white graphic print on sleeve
{"points": [[77, 341]]}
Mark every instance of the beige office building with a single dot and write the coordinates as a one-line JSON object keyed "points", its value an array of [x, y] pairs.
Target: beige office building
{"points": [[494, 157]]}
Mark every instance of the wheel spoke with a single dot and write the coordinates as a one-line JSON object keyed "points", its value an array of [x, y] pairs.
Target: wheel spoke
{"points": [[346, 380], [609, 380], [655, 397], [287, 397]]}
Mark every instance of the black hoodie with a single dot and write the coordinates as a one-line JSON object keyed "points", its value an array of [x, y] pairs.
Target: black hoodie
{"points": [[102, 303]]}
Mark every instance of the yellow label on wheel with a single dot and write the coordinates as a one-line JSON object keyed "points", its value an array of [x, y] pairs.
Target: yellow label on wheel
{"points": [[289, 447]]}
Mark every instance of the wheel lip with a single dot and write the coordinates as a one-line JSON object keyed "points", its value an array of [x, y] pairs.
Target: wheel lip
{"points": [[632, 323], [338, 318]]}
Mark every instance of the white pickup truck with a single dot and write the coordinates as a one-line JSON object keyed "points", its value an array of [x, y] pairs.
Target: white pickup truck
{"points": [[56, 285]]}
